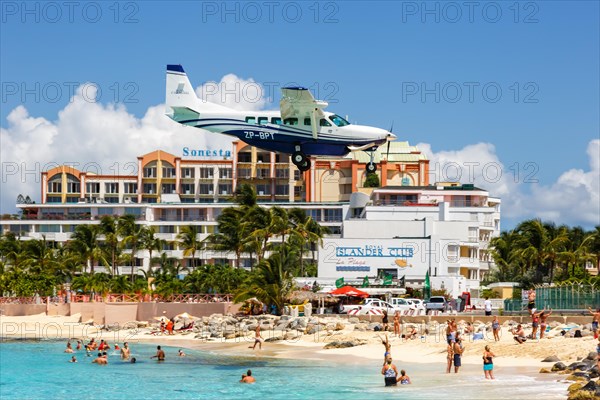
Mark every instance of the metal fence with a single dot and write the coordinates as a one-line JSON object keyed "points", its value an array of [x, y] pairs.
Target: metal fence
{"points": [[564, 296]]}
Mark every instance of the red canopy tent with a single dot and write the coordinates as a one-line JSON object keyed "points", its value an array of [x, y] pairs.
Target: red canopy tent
{"points": [[349, 291]]}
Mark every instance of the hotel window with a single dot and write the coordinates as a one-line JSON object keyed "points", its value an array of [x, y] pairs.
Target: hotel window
{"points": [[187, 188], [332, 214], [168, 188], [150, 172], [225, 173], [130, 187], [207, 172], [262, 173], [168, 172], [166, 229], [297, 191], [187, 172], [205, 188], [54, 187], [225, 189], [244, 173], [112, 199], [92, 187], [111, 187], [282, 158], [282, 190], [263, 120], [282, 173], [150, 188], [314, 214], [244, 157], [297, 175], [263, 189], [73, 187]]}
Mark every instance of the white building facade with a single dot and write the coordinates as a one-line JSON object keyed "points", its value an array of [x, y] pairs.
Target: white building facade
{"points": [[408, 231]]}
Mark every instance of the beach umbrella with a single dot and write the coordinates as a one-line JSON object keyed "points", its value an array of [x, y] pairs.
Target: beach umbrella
{"points": [[349, 291]]}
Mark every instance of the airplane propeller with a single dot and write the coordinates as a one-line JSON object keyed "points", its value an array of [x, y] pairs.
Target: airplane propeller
{"points": [[387, 154]]}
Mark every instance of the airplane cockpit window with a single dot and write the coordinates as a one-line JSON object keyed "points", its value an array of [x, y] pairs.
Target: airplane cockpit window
{"points": [[324, 122], [276, 120], [339, 121], [290, 121], [307, 122], [262, 120], [250, 120]]}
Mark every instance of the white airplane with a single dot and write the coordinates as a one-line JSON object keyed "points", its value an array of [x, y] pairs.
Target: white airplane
{"points": [[301, 127]]}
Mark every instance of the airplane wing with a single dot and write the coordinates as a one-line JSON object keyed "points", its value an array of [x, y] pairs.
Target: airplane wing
{"points": [[298, 102]]}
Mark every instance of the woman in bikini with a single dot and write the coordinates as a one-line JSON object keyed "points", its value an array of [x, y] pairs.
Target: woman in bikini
{"points": [[449, 357], [397, 323], [535, 323], [488, 363], [496, 329], [388, 349], [403, 378], [543, 324]]}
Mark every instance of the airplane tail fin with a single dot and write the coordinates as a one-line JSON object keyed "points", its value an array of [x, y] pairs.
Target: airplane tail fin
{"points": [[181, 99]]}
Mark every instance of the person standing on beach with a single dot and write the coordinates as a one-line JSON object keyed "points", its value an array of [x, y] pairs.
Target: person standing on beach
{"points": [[257, 338], [531, 301], [488, 363], [384, 321], [397, 323], [125, 351], [458, 349], [487, 305], [595, 321], [535, 323], [160, 354], [543, 324], [496, 328], [449, 357]]}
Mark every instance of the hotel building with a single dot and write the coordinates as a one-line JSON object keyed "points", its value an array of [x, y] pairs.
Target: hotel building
{"points": [[167, 192]]}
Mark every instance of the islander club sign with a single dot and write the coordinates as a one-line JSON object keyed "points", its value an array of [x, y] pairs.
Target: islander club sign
{"points": [[206, 153]]}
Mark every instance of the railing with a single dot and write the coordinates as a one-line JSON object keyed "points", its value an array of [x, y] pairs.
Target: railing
{"points": [[122, 298]]}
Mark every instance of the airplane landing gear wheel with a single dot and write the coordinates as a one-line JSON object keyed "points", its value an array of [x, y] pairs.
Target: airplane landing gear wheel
{"points": [[298, 158], [305, 166], [371, 167]]}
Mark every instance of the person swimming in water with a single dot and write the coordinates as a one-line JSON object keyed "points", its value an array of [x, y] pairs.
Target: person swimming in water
{"points": [[69, 349], [248, 378], [125, 351], [73, 359], [160, 354], [180, 353], [389, 372], [403, 378]]}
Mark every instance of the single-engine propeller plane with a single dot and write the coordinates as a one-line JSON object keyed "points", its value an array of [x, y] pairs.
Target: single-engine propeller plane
{"points": [[301, 127]]}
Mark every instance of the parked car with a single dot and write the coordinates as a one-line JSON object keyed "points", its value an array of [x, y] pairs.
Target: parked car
{"points": [[436, 303], [402, 305], [369, 306], [419, 304]]}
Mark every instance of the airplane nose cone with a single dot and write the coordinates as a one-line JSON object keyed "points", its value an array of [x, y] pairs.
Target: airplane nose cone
{"points": [[391, 136]]}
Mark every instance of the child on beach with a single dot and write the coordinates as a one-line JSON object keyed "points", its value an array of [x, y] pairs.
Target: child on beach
{"points": [[543, 324]]}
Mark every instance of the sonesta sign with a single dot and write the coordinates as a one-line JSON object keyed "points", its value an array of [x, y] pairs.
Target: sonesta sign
{"points": [[187, 152]]}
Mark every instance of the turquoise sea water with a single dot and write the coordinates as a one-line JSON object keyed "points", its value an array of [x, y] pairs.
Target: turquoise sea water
{"points": [[40, 370]]}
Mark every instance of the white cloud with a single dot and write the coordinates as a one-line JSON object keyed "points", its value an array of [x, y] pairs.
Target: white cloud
{"points": [[574, 198], [234, 92], [87, 135]]}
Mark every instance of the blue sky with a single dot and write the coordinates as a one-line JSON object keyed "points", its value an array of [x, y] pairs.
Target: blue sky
{"points": [[521, 77]]}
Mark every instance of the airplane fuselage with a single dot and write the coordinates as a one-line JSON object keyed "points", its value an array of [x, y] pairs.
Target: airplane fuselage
{"points": [[267, 131]]}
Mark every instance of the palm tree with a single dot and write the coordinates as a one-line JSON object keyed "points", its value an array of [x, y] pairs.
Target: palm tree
{"points": [[131, 234], [84, 241], [150, 242], [271, 282], [232, 234], [109, 228], [188, 235], [306, 231]]}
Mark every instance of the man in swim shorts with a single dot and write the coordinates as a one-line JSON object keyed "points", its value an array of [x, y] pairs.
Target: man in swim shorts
{"points": [[595, 321]]}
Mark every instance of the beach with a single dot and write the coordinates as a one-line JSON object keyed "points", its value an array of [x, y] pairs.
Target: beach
{"points": [[425, 349]]}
